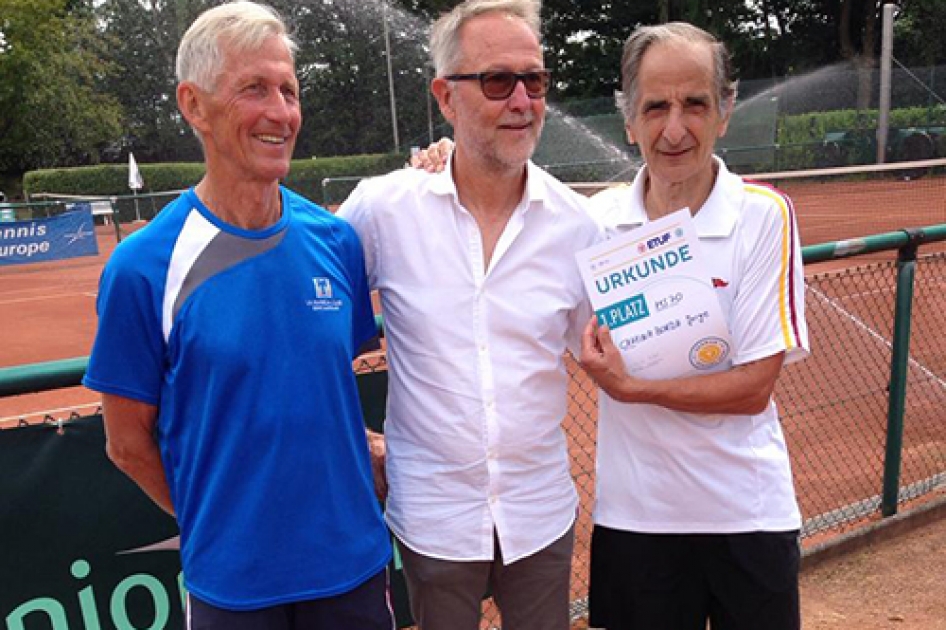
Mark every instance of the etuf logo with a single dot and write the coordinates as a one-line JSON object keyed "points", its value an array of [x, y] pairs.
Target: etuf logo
{"points": [[658, 241]]}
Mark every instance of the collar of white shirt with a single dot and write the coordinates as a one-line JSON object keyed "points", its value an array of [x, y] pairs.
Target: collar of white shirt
{"points": [[621, 209], [536, 191]]}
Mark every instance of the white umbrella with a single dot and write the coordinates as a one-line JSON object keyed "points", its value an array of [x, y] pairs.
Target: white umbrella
{"points": [[135, 181]]}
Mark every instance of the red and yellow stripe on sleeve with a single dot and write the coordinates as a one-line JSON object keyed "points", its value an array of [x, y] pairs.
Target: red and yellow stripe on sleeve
{"points": [[788, 307]]}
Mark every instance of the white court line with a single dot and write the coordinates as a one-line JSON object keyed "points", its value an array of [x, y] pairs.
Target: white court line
{"points": [[875, 335], [49, 412], [56, 296], [862, 294]]}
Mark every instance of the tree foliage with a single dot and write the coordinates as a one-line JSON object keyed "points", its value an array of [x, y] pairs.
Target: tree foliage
{"points": [[584, 43], [53, 108], [920, 32], [83, 81], [145, 36], [343, 65]]}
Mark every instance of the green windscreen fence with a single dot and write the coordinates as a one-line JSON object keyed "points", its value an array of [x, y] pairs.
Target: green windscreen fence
{"points": [[83, 547]]}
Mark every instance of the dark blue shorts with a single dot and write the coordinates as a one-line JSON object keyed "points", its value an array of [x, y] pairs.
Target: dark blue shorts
{"points": [[679, 581], [366, 608]]}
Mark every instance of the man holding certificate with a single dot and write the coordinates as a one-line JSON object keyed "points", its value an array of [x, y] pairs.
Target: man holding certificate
{"points": [[696, 517]]}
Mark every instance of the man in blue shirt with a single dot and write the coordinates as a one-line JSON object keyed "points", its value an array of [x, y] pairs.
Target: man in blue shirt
{"points": [[227, 330]]}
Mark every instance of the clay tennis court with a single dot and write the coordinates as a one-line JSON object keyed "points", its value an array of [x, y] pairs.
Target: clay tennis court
{"points": [[47, 309], [833, 405], [47, 312]]}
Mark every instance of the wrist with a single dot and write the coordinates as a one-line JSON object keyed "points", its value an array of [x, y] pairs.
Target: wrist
{"points": [[629, 389]]}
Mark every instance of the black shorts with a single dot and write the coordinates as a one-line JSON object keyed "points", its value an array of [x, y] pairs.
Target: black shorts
{"points": [[679, 581], [366, 608]]}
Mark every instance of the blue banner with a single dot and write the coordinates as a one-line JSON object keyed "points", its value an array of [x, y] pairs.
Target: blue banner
{"points": [[39, 240]]}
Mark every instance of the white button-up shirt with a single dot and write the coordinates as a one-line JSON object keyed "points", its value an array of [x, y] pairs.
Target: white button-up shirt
{"points": [[478, 385]]}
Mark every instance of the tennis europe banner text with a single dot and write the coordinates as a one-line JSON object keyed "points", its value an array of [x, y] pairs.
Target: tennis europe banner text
{"points": [[39, 240]]}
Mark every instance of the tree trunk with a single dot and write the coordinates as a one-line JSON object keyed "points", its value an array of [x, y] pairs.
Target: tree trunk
{"points": [[867, 59], [844, 30], [863, 59], [865, 80]]}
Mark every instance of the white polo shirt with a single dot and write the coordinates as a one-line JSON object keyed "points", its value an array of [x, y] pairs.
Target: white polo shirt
{"points": [[665, 471], [478, 384]]}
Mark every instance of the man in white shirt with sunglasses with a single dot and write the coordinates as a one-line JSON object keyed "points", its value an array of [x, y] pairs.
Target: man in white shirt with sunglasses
{"points": [[481, 299]]}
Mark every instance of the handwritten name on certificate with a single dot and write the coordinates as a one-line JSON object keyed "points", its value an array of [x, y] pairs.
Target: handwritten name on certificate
{"points": [[650, 288]]}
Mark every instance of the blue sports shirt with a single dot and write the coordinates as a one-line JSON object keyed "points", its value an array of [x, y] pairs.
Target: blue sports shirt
{"points": [[244, 341]]}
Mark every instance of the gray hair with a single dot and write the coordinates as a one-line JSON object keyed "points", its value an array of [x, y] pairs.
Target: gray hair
{"points": [[646, 36], [445, 33], [238, 26]]}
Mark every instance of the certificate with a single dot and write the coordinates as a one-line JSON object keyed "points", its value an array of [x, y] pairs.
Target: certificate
{"points": [[651, 288]]}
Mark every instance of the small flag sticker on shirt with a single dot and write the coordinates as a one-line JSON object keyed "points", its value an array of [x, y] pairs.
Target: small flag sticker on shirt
{"points": [[719, 283]]}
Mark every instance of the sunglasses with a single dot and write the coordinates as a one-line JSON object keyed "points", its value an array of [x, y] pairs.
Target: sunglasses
{"points": [[499, 85]]}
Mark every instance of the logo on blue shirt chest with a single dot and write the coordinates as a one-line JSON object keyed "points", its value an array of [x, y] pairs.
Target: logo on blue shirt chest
{"points": [[324, 296], [323, 288]]}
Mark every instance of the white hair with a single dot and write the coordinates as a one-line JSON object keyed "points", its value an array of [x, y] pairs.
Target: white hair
{"points": [[445, 33], [236, 26]]}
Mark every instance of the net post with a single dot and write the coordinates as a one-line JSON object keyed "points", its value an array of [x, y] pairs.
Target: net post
{"points": [[118, 229]]}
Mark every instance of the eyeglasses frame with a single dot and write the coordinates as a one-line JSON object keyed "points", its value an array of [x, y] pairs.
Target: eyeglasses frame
{"points": [[482, 77]]}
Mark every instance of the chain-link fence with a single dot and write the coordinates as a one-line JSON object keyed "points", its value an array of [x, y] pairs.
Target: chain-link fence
{"points": [[836, 406]]}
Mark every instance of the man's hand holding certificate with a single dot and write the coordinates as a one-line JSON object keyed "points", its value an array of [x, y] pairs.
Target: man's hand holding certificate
{"points": [[650, 288]]}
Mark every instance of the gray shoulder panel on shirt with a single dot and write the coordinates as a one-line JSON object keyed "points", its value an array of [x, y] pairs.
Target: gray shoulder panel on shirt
{"points": [[223, 252]]}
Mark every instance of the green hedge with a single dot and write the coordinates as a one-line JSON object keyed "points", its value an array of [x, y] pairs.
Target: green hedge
{"points": [[305, 177], [802, 138], [110, 179], [803, 128]]}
